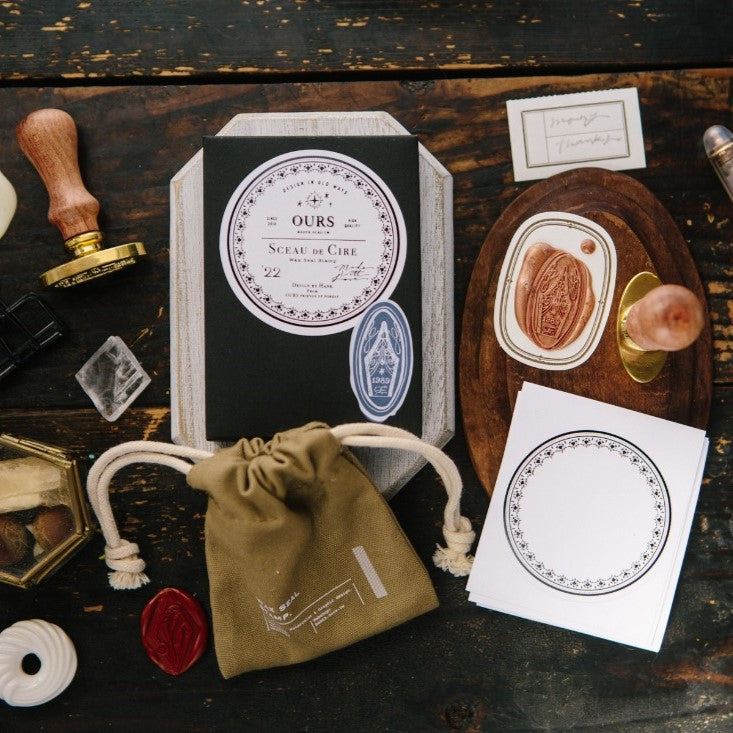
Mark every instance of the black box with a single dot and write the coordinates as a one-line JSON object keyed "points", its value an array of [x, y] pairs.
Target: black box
{"points": [[303, 236]]}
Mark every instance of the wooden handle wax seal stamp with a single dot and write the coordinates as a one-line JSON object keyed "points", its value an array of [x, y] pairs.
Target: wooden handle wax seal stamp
{"points": [[48, 138], [654, 319]]}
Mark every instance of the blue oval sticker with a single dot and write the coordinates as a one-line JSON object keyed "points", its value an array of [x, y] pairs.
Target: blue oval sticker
{"points": [[381, 359]]}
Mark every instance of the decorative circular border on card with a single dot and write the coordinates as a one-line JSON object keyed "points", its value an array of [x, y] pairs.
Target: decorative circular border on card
{"points": [[651, 481], [385, 258]]}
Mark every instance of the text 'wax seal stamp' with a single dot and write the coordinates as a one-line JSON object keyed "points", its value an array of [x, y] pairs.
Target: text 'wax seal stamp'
{"points": [[174, 630], [555, 290], [48, 138]]}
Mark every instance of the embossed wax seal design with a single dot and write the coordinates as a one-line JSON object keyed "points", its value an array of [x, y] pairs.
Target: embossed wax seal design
{"points": [[604, 496], [310, 239], [553, 298], [555, 290], [381, 359], [174, 630]]}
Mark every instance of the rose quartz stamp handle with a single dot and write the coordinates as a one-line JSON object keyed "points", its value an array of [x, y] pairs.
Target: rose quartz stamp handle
{"points": [[667, 318]]}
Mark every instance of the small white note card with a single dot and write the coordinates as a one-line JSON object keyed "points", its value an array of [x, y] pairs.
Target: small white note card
{"points": [[590, 516], [556, 133]]}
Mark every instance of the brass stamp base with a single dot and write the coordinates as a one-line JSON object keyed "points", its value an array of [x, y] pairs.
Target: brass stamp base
{"points": [[642, 366], [92, 265]]}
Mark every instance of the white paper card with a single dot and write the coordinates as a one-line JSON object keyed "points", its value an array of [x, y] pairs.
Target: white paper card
{"points": [[587, 243], [590, 517], [557, 133]]}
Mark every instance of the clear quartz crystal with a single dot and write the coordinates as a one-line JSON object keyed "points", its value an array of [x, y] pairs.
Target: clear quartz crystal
{"points": [[113, 378]]}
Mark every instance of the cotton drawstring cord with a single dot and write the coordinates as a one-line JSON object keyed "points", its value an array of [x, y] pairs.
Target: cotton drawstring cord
{"points": [[121, 556], [457, 531]]}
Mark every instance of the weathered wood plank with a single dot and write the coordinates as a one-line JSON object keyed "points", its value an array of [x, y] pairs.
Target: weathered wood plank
{"points": [[88, 41]]}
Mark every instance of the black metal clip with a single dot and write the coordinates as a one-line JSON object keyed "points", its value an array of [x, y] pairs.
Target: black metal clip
{"points": [[26, 327]]}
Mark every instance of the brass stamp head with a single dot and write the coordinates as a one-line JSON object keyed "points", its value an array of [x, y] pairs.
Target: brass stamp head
{"points": [[92, 262]]}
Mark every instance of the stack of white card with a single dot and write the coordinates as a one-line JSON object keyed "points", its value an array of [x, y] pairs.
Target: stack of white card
{"points": [[590, 516]]}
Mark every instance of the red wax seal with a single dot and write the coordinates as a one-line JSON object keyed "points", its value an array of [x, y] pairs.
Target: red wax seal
{"points": [[174, 630]]}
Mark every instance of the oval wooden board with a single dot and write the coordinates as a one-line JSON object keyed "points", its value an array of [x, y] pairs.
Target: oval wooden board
{"points": [[646, 239]]}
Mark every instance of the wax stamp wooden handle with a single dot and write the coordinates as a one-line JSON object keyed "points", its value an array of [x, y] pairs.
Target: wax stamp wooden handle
{"points": [[49, 140], [667, 318]]}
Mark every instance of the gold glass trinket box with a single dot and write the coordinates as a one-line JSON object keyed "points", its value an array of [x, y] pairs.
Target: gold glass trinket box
{"points": [[43, 514]]}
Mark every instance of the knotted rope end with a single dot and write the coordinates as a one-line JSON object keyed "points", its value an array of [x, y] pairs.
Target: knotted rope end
{"points": [[458, 564], [127, 567], [122, 580], [454, 558]]}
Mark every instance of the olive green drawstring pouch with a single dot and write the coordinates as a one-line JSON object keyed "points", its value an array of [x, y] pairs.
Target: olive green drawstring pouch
{"points": [[304, 555]]}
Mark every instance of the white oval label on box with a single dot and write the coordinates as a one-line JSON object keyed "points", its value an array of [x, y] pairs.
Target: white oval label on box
{"points": [[555, 290], [310, 239], [381, 359]]}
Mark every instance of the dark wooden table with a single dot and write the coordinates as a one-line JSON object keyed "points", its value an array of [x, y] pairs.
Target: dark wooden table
{"points": [[144, 81]]}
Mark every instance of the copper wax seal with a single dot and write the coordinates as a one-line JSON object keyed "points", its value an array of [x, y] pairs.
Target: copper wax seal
{"points": [[554, 298]]}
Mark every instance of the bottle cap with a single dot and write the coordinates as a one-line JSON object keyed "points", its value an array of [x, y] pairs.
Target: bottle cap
{"points": [[715, 137]]}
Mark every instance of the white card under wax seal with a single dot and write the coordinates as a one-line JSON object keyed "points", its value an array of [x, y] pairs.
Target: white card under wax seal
{"points": [[579, 239], [590, 516], [565, 131], [316, 271]]}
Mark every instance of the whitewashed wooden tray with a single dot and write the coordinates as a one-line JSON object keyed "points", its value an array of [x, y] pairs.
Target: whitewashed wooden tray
{"points": [[390, 469]]}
